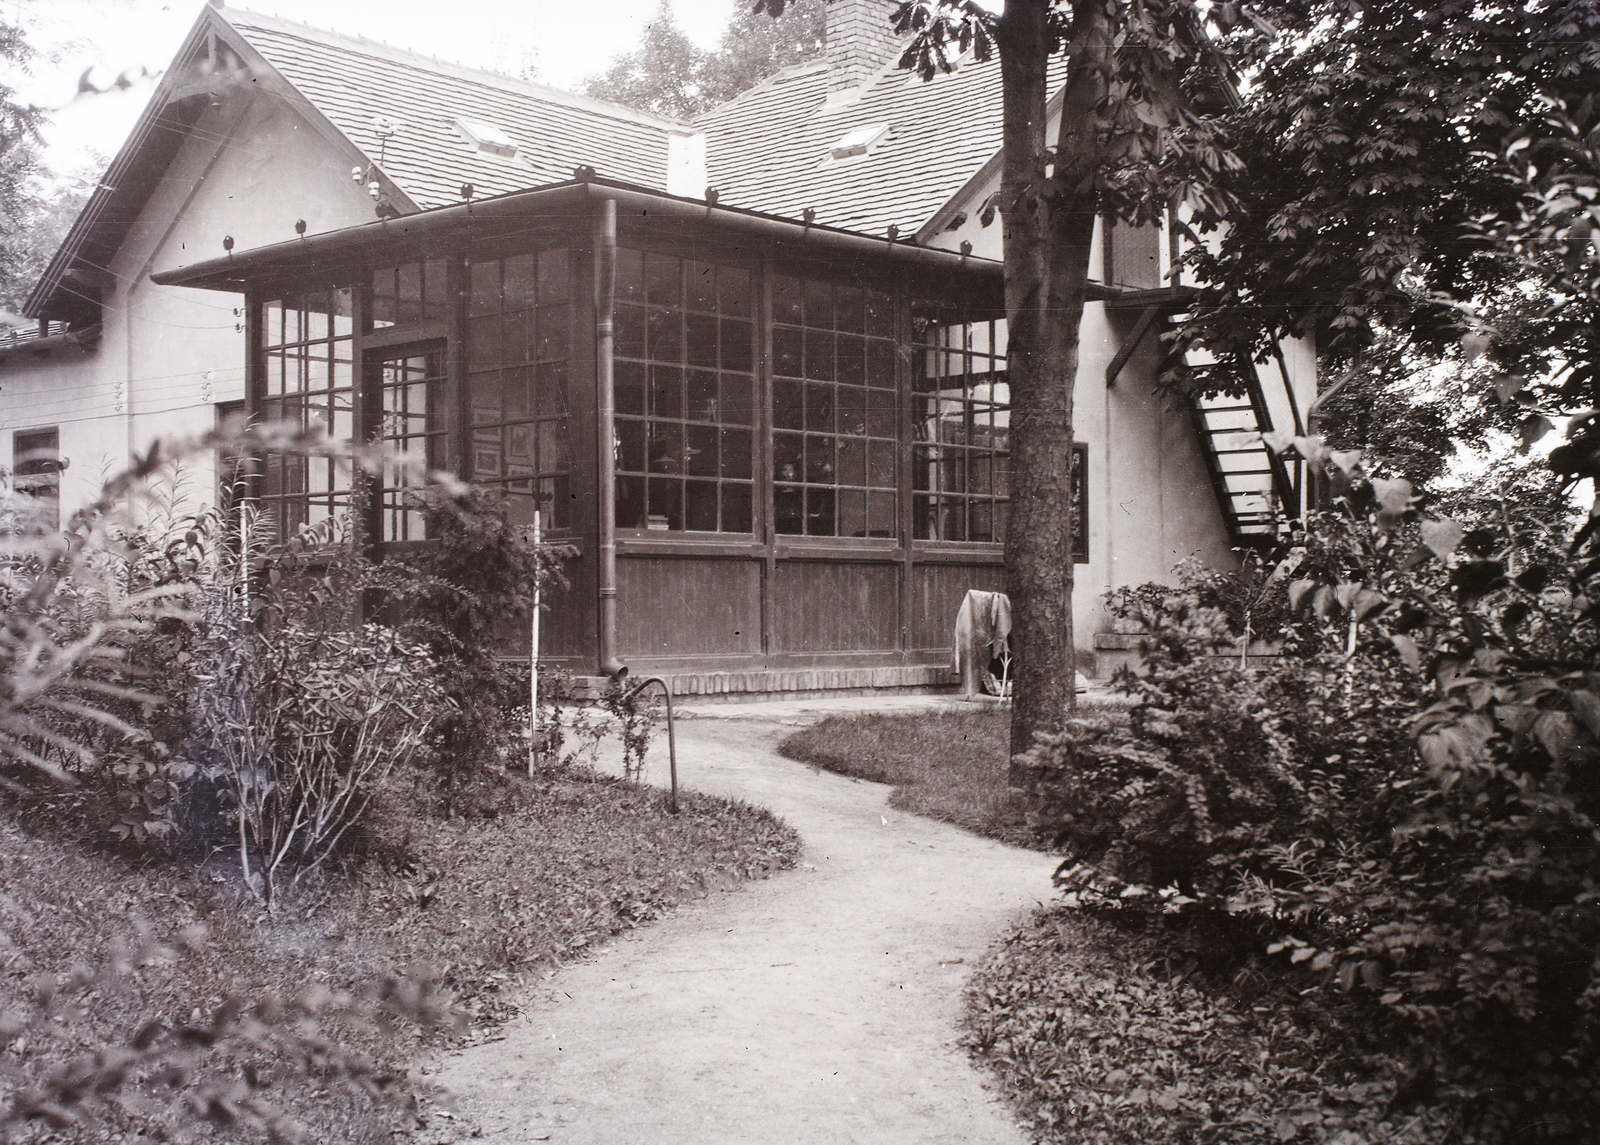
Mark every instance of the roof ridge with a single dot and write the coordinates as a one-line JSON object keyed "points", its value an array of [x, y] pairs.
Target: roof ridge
{"points": [[484, 76]]}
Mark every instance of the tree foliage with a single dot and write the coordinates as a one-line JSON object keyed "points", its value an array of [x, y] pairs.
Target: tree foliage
{"points": [[1399, 812], [1374, 130], [669, 75], [20, 168]]}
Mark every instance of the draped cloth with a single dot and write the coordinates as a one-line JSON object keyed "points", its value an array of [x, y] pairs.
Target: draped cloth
{"points": [[983, 633]]}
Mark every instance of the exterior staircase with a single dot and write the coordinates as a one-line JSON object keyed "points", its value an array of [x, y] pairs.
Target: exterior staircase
{"points": [[1258, 490]]}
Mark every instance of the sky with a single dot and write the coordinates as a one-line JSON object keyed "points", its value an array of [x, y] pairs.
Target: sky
{"points": [[564, 41]]}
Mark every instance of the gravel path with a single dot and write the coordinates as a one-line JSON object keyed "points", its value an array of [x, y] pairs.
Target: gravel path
{"points": [[820, 1005]]}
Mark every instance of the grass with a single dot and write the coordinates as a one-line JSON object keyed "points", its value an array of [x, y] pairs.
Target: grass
{"points": [[948, 765], [1100, 1034], [532, 875]]}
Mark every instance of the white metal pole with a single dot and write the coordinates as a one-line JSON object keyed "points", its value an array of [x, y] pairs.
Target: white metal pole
{"points": [[533, 655]]}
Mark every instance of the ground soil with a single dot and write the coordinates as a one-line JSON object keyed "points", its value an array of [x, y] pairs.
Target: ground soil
{"points": [[821, 1005]]}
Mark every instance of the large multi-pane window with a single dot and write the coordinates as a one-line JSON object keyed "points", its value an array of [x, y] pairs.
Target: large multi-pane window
{"points": [[412, 430], [960, 460], [309, 383], [834, 457], [684, 377], [518, 340], [409, 292]]}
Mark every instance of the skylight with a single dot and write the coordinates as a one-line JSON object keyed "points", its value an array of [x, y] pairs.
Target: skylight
{"points": [[487, 137], [859, 141]]}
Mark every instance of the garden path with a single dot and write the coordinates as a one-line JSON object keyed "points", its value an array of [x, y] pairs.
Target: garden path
{"points": [[818, 1006]]}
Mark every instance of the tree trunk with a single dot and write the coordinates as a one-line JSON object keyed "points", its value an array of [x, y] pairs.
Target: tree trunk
{"points": [[1049, 224]]}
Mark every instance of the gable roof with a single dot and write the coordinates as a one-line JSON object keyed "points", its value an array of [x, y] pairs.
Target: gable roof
{"points": [[344, 86], [770, 148], [357, 84]]}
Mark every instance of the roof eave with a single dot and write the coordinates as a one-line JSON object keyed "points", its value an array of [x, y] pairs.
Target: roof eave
{"points": [[233, 271], [211, 21]]}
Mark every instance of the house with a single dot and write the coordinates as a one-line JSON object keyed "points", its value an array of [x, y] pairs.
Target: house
{"points": [[752, 367]]}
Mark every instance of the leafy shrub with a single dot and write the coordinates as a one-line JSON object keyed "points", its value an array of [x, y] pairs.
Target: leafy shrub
{"points": [[94, 642], [1403, 807], [298, 727], [1105, 1038], [468, 594]]}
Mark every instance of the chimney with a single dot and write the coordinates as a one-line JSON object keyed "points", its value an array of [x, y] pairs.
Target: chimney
{"points": [[860, 41]]}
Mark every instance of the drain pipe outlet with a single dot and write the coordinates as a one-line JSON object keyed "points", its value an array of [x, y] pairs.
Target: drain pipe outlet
{"points": [[605, 336]]}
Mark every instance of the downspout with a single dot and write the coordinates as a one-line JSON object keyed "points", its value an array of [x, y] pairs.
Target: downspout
{"points": [[605, 332]]}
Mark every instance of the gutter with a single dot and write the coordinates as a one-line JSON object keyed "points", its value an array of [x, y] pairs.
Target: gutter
{"points": [[85, 339], [231, 272]]}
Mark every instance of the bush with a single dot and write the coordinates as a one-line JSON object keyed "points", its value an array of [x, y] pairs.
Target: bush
{"points": [[1401, 810], [468, 595], [298, 728]]}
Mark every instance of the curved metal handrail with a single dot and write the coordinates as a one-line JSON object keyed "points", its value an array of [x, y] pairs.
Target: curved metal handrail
{"points": [[672, 739]]}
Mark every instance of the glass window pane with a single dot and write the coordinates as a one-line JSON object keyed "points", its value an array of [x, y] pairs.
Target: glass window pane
{"points": [[666, 391], [436, 288], [786, 352], [666, 447], [665, 497], [630, 445], [484, 297], [852, 461], [819, 407], [630, 276], [881, 520], [701, 395], [788, 405], [852, 410], [788, 503], [664, 337], [700, 450], [851, 355], [630, 503], [820, 512], [819, 354], [700, 340], [629, 332], [736, 407], [787, 451], [880, 314], [880, 413], [852, 512], [736, 454], [628, 380], [733, 291], [737, 344], [662, 280], [554, 279], [848, 312], [553, 332], [702, 287], [818, 305], [788, 296], [700, 506], [736, 516], [408, 292], [819, 459]]}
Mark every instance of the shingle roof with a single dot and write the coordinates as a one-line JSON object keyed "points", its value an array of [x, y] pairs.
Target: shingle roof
{"points": [[769, 148], [356, 83]]}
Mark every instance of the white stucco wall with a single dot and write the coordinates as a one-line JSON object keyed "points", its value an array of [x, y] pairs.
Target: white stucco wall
{"points": [[1151, 502], [168, 355]]}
